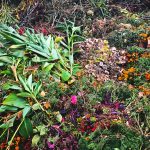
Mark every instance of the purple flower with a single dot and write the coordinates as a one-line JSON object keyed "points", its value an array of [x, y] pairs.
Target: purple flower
{"points": [[121, 106], [62, 112], [50, 145]]}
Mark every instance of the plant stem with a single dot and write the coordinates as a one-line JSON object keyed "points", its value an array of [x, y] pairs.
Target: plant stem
{"points": [[8, 147], [40, 105], [14, 72], [3, 133]]}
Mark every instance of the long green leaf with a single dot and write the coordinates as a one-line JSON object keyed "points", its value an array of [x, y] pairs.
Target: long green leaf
{"points": [[29, 82], [26, 129], [13, 100], [24, 83], [37, 88]]}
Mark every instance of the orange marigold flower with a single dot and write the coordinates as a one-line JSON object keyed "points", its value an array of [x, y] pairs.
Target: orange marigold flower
{"points": [[125, 71], [131, 70], [147, 92], [126, 76], [143, 35], [141, 87], [120, 78], [147, 76], [87, 116], [128, 54]]}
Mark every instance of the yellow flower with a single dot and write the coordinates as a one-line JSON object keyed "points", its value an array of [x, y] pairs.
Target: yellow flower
{"points": [[58, 39], [105, 42]]}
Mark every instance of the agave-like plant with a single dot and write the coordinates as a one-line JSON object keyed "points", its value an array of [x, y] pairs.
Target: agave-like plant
{"points": [[38, 48]]}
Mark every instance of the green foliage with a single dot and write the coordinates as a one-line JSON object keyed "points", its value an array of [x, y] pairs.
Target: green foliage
{"points": [[122, 39], [26, 129], [16, 102], [55, 61], [73, 37], [102, 7], [52, 103], [117, 138], [113, 91]]}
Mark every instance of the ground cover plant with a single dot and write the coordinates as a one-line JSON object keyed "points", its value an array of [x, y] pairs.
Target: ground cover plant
{"points": [[75, 75]]}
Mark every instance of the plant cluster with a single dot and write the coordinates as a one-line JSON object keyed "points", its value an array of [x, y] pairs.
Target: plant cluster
{"points": [[59, 91]]}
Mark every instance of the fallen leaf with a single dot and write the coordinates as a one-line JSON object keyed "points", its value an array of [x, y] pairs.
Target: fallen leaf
{"points": [[47, 105], [141, 94], [42, 94], [148, 42], [19, 114], [130, 87]]}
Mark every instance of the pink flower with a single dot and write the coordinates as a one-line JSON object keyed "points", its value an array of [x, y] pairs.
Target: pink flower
{"points": [[21, 30], [44, 31], [63, 120], [74, 99], [50, 145], [116, 104]]}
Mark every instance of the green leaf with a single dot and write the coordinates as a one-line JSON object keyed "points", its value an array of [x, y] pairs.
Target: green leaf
{"points": [[11, 37], [16, 46], [8, 124], [8, 86], [24, 94], [54, 54], [26, 110], [65, 75], [2, 64], [48, 41], [4, 108], [36, 107], [23, 83], [76, 29], [37, 88], [18, 53], [35, 140], [6, 72], [47, 67], [59, 117], [29, 82], [42, 129], [13, 100], [38, 59], [26, 129], [6, 59], [31, 48]]}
